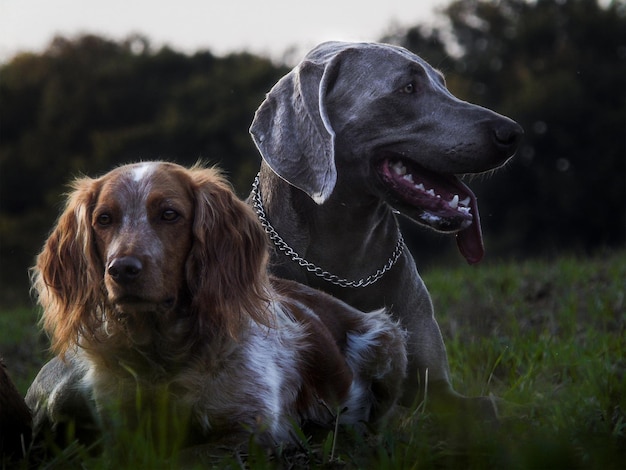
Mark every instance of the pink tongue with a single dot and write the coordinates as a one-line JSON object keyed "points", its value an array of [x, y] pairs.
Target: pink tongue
{"points": [[470, 240]]}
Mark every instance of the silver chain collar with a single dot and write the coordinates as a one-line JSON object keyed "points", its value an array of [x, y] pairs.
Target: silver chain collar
{"points": [[257, 204]]}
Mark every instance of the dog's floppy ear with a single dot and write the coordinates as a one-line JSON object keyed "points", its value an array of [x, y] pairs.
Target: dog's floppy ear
{"points": [[227, 266], [292, 131], [68, 273]]}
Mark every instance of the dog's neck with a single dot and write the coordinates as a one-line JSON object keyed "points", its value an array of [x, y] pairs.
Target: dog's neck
{"points": [[308, 233], [153, 345]]}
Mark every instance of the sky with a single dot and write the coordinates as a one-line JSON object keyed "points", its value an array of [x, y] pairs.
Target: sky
{"points": [[267, 27]]}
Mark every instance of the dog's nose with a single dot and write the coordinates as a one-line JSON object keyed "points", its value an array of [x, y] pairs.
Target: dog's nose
{"points": [[124, 269], [507, 136]]}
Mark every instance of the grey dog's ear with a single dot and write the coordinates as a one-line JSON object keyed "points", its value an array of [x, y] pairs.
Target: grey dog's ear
{"points": [[292, 131]]}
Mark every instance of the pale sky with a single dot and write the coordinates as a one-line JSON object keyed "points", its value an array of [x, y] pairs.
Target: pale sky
{"points": [[267, 27]]}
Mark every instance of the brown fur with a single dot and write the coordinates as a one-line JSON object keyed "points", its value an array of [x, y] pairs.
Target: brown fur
{"points": [[155, 281]]}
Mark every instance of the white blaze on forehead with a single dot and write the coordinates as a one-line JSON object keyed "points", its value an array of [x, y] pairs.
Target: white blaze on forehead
{"points": [[142, 170], [140, 239]]}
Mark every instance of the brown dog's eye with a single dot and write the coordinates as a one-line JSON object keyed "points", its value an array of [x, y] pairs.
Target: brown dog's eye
{"points": [[170, 215], [104, 220]]}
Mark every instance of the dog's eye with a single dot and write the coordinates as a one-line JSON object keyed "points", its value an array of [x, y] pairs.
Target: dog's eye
{"points": [[170, 215], [409, 88], [104, 220]]}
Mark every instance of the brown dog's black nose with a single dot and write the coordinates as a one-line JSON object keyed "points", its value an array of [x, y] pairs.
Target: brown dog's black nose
{"points": [[124, 269], [507, 136]]}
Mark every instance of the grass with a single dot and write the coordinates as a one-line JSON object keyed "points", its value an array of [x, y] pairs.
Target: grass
{"points": [[546, 336], [550, 337]]}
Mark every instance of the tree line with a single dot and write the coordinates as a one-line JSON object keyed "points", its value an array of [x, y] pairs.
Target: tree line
{"points": [[558, 67]]}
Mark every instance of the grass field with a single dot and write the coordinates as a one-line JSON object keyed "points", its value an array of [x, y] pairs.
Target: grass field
{"points": [[548, 337]]}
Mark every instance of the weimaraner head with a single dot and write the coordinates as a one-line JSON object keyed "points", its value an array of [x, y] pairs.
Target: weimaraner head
{"points": [[379, 119]]}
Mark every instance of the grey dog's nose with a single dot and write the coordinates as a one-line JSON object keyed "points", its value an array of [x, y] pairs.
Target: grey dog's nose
{"points": [[508, 135], [124, 269]]}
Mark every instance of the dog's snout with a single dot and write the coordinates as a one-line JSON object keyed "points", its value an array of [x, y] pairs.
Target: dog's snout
{"points": [[507, 135], [125, 269]]}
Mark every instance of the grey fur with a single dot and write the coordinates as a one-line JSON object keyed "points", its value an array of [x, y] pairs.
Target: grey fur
{"points": [[321, 131]]}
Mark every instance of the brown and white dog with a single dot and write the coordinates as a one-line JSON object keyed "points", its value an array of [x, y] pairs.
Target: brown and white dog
{"points": [[154, 284]]}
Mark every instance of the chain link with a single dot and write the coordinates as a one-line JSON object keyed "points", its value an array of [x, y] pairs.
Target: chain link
{"points": [[257, 204]]}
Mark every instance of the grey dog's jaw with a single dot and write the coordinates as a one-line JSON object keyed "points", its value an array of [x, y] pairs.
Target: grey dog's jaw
{"points": [[439, 201]]}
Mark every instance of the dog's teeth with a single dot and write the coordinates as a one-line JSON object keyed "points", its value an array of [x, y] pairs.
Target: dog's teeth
{"points": [[465, 202], [420, 186], [430, 192], [454, 203], [399, 169], [464, 210], [408, 178]]}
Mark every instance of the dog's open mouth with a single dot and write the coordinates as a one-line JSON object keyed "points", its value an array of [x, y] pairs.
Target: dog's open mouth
{"points": [[437, 200]]}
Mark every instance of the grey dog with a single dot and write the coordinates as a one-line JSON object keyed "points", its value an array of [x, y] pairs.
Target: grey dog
{"points": [[354, 134]]}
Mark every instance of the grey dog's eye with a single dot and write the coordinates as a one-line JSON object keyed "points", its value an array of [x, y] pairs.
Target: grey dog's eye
{"points": [[409, 88]]}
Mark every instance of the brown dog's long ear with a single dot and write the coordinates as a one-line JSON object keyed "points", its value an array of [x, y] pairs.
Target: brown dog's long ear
{"points": [[227, 265], [68, 275], [292, 130]]}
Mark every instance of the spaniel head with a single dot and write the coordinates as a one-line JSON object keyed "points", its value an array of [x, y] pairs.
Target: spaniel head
{"points": [[152, 243]]}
